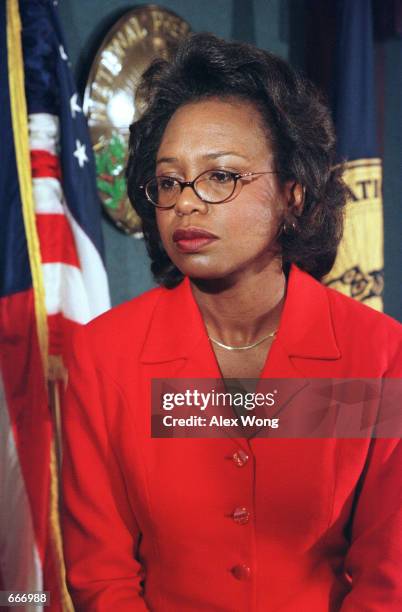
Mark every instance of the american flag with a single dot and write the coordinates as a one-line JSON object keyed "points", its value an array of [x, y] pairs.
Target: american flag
{"points": [[52, 278]]}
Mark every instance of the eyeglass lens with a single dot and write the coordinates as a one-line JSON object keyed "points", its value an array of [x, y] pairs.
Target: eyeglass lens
{"points": [[211, 186]]}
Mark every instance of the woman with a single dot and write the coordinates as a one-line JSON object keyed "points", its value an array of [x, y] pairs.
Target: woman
{"points": [[232, 171]]}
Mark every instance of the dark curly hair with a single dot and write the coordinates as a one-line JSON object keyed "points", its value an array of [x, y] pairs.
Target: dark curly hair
{"points": [[300, 131]]}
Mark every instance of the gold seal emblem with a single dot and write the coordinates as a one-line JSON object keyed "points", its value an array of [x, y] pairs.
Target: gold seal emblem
{"points": [[358, 270], [127, 50]]}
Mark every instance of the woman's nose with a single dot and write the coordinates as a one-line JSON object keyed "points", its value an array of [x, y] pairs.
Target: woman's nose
{"points": [[188, 202]]}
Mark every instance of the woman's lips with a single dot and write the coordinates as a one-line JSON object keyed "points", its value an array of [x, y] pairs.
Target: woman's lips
{"points": [[192, 240]]}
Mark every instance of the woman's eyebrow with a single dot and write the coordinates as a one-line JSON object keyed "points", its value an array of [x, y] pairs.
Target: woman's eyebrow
{"points": [[166, 160], [222, 154], [214, 155]]}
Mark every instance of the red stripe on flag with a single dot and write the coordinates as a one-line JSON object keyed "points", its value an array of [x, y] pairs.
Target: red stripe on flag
{"points": [[56, 240], [60, 332], [27, 403], [45, 164]]}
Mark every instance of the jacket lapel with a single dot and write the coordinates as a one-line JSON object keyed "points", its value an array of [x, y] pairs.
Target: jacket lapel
{"points": [[177, 344]]}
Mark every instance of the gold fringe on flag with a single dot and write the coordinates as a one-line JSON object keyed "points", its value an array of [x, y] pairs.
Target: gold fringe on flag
{"points": [[19, 117], [55, 533]]}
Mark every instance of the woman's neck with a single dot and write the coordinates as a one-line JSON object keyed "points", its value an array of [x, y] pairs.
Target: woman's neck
{"points": [[240, 311]]}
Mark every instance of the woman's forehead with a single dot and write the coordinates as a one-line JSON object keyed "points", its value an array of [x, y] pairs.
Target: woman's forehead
{"points": [[214, 126]]}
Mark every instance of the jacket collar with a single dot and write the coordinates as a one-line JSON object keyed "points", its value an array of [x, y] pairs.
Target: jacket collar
{"points": [[305, 330]]}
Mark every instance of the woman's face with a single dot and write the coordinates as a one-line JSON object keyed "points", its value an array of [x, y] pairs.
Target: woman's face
{"points": [[229, 135]]}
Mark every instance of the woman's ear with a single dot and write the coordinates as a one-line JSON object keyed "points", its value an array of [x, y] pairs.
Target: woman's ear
{"points": [[296, 195]]}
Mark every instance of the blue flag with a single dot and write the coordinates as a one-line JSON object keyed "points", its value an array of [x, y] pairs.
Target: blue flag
{"points": [[358, 269]]}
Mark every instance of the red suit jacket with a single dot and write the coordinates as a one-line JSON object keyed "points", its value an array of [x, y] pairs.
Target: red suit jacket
{"points": [[150, 524]]}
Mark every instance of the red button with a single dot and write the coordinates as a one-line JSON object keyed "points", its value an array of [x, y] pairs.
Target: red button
{"points": [[241, 516], [241, 572], [240, 458]]}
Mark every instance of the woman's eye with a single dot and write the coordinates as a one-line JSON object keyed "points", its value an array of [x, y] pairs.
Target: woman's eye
{"points": [[166, 184], [220, 176]]}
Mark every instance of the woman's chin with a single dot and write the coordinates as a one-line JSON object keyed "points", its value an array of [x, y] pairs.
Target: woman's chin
{"points": [[198, 273], [211, 278], [201, 267]]}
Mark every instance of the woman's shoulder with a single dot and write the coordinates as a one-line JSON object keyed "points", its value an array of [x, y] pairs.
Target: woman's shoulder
{"points": [[138, 306], [353, 312], [123, 327], [373, 334], [345, 312], [322, 321]]}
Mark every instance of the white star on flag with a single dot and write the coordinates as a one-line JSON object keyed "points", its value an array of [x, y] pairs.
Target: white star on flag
{"points": [[75, 107], [63, 54], [80, 153]]}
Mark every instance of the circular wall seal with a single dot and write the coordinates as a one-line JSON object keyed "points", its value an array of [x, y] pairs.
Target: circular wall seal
{"points": [[127, 50]]}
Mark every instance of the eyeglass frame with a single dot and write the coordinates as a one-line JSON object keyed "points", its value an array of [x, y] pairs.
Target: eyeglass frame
{"points": [[235, 176]]}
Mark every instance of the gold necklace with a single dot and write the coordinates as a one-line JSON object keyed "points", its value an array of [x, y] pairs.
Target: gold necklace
{"points": [[242, 348]]}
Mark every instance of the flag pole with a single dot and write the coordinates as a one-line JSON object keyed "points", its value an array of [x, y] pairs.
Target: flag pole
{"points": [[57, 377]]}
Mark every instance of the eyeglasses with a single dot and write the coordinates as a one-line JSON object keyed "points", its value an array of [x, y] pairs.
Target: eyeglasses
{"points": [[211, 186]]}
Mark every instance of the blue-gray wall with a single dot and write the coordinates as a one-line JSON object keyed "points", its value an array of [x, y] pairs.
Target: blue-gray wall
{"points": [[276, 25]]}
